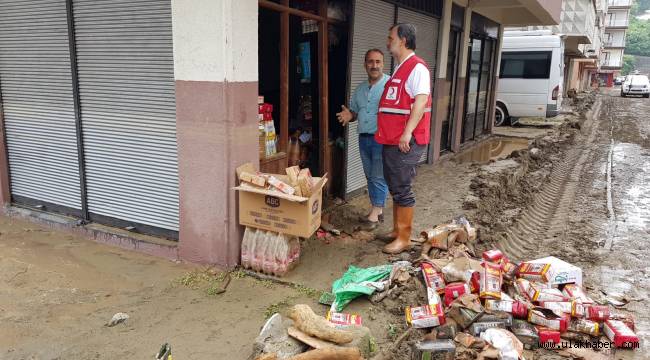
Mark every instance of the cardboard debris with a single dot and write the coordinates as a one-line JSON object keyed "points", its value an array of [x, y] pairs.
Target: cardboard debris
{"points": [[427, 316]]}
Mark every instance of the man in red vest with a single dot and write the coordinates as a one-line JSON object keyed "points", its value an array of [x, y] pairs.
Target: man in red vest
{"points": [[403, 124]]}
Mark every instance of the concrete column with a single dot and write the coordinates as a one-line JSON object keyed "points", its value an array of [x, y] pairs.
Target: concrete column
{"points": [[215, 67], [495, 81], [461, 84], [5, 193], [441, 85]]}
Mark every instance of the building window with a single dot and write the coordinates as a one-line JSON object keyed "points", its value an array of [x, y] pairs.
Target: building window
{"points": [[526, 65]]}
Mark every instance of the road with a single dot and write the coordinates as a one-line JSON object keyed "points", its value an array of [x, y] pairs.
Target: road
{"points": [[594, 209]]}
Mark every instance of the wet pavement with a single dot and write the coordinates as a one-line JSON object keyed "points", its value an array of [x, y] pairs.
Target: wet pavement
{"points": [[492, 149]]}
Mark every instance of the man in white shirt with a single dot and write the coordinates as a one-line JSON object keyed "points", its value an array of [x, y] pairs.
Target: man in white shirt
{"points": [[403, 128]]}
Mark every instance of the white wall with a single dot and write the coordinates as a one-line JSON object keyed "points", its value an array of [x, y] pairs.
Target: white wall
{"points": [[615, 58], [215, 40]]}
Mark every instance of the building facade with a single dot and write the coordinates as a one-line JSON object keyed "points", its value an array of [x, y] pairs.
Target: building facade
{"points": [[616, 24], [136, 114]]}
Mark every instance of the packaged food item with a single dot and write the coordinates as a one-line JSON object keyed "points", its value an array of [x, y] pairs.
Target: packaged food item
{"points": [[547, 335], [585, 327], [545, 317], [526, 333], [281, 186], [509, 269], [575, 292], [579, 309], [533, 272], [517, 308], [454, 291], [498, 316], [292, 173], [343, 319], [254, 179], [247, 246], [305, 182], [620, 334], [259, 250], [538, 292], [491, 281], [478, 327], [433, 350], [558, 272], [558, 307], [598, 313], [494, 255], [425, 316], [432, 278], [626, 318], [522, 286]]}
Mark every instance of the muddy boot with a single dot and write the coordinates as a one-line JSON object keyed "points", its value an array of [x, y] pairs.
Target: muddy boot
{"points": [[390, 236], [404, 224]]}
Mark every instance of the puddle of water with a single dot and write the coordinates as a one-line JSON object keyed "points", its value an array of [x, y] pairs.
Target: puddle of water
{"points": [[492, 149]]}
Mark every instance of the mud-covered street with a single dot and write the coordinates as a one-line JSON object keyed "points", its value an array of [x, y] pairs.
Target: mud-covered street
{"points": [[582, 196]]}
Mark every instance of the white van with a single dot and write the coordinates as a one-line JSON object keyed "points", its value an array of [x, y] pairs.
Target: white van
{"points": [[531, 76]]}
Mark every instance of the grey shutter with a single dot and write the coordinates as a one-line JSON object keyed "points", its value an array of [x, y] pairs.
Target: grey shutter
{"points": [[128, 109], [426, 42], [372, 18], [36, 88]]}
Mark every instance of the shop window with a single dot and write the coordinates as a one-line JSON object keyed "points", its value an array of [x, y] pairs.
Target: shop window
{"points": [[526, 65]]}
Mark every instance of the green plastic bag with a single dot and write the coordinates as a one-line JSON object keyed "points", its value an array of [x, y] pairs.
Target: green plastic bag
{"points": [[358, 281]]}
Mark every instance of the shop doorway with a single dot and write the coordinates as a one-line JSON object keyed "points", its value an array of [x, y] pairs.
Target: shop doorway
{"points": [[480, 72], [302, 57]]}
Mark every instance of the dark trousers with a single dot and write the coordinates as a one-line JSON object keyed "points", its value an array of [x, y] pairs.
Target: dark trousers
{"points": [[399, 172]]}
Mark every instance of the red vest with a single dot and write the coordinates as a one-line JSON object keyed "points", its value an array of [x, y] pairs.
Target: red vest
{"points": [[395, 108]]}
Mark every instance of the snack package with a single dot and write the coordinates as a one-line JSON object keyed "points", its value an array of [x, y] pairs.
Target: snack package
{"points": [[306, 182], [454, 291], [547, 318], [558, 307], [547, 335], [427, 316], [598, 313], [494, 255], [522, 286], [491, 281], [538, 292], [292, 173], [516, 308], [433, 280], [281, 186], [254, 179], [478, 327], [626, 318], [533, 271], [620, 334], [342, 319], [575, 292], [585, 327]]}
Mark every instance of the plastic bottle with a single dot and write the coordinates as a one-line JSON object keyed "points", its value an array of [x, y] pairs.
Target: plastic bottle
{"points": [[293, 252], [269, 264], [281, 255], [247, 242], [258, 251]]}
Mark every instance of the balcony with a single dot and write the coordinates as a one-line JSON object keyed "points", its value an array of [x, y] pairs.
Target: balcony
{"points": [[614, 44], [618, 23], [619, 3]]}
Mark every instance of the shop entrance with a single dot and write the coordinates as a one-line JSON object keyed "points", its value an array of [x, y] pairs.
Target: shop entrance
{"points": [[302, 57]]}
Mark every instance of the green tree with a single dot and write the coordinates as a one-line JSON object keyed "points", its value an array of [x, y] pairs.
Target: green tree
{"points": [[629, 64], [640, 6], [638, 37]]}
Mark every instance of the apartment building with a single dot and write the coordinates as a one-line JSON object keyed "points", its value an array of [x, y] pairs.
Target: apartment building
{"points": [[616, 24]]}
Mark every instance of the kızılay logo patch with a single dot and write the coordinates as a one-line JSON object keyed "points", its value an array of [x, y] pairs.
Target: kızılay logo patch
{"points": [[272, 201], [314, 208]]}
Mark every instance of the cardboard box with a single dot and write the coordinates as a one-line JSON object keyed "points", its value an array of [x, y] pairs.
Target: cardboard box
{"points": [[273, 210], [560, 272]]}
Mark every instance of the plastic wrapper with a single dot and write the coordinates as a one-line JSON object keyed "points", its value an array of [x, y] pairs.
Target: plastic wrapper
{"points": [[547, 335], [533, 272], [281, 186], [480, 326], [510, 348], [598, 313], [357, 282], [538, 292], [342, 319], [494, 256]]}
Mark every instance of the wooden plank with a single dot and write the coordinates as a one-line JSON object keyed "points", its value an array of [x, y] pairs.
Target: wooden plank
{"points": [[284, 80], [323, 77], [314, 342]]}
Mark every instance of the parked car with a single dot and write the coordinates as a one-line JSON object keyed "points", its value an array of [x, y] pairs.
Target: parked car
{"points": [[619, 80], [636, 85], [531, 76]]}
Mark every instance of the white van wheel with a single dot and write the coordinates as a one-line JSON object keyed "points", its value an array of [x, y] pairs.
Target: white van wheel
{"points": [[500, 116]]}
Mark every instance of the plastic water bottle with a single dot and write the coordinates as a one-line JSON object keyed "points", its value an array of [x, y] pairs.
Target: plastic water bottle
{"points": [[269, 252], [258, 250], [247, 242], [282, 255]]}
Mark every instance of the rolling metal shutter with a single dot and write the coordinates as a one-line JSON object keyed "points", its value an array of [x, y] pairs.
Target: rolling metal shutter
{"points": [[128, 109], [372, 18], [426, 43], [36, 88]]}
